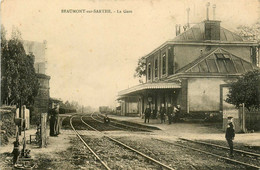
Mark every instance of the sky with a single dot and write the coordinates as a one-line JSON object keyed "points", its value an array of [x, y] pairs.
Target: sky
{"points": [[92, 56]]}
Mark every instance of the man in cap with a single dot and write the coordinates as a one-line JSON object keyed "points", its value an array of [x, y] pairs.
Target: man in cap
{"points": [[162, 113], [230, 134], [147, 113]]}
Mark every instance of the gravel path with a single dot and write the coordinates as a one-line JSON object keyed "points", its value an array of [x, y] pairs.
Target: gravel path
{"points": [[177, 157]]}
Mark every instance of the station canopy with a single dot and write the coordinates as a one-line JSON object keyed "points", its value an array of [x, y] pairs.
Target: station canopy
{"points": [[150, 86]]}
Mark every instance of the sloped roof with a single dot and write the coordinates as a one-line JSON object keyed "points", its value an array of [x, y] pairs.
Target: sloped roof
{"points": [[218, 61], [197, 33], [155, 85]]}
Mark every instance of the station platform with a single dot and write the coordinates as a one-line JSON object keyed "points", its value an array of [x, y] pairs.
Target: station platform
{"points": [[197, 131]]}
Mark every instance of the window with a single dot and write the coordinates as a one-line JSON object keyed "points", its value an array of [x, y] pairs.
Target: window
{"points": [[164, 63], [225, 63], [156, 68], [170, 60], [253, 53], [149, 71], [219, 55]]}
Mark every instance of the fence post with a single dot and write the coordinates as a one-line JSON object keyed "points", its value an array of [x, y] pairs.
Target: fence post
{"points": [[43, 129], [243, 118]]}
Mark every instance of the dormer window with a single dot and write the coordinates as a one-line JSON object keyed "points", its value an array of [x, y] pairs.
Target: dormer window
{"points": [[225, 63], [164, 63]]}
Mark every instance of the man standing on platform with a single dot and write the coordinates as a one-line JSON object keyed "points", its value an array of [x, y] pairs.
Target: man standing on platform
{"points": [[162, 113], [230, 134], [147, 113], [169, 113]]}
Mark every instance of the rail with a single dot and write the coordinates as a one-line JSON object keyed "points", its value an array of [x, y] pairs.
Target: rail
{"points": [[128, 147], [77, 133], [129, 126], [212, 154], [223, 147]]}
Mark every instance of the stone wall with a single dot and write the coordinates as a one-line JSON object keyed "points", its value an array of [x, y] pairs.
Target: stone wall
{"points": [[7, 123]]}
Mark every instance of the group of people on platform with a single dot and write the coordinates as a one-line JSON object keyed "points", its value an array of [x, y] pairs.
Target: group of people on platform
{"points": [[172, 113]]}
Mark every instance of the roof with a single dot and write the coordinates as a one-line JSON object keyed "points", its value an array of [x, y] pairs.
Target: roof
{"points": [[197, 33], [196, 36], [147, 86], [218, 61]]}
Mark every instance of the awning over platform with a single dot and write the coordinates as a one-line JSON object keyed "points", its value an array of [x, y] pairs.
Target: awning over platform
{"points": [[146, 86]]}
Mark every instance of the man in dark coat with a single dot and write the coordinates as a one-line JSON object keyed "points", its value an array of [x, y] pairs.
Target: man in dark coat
{"points": [[162, 113], [57, 121], [230, 134], [54, 121], [170, 113], [147, 113]]}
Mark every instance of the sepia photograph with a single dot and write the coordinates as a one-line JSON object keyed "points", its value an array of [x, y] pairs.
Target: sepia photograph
{"points": [[130, 84]]}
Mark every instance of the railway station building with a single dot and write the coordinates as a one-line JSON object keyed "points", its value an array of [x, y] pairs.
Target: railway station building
{"points": [[192, 70]]}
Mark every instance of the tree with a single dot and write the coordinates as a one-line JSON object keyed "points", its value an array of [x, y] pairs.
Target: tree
{"points": [[245, 90], [140, 70], [19, 83], [250, 32]]}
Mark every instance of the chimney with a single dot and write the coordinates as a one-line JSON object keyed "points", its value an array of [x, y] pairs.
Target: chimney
{"points": [[208, 4], [176, 29], [214, 12], [188, 17], [212, 30]]}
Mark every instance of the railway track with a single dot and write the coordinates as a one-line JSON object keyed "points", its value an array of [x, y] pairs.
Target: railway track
{"points": [[85, 144], [125, 126], [144, 156], [245, 153], [100, 121], [253, 163], [213, 152]]}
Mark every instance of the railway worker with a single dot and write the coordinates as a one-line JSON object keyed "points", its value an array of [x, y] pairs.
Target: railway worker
{"points": [[106, 119], [170, 113], [230, 134], [147, 113], [162, 113]]}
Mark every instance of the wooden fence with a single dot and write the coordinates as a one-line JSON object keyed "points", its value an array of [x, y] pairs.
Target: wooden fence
{"points": [[252, 118]]}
